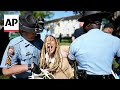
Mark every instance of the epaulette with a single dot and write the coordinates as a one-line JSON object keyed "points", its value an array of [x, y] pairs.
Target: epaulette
{"points": [[18, 42]]}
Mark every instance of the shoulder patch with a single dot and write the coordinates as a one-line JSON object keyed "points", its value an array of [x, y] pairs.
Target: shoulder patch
{"points": [[8, 61]]}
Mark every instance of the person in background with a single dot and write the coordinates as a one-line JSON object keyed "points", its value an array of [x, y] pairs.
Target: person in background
{"points": [[22, 54], [109, 28], [78, 32], [60, 37], [45, 32]]}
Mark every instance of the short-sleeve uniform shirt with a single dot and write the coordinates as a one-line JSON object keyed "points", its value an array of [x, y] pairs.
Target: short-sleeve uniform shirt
{"points": [[95, 51], [25, 53]]}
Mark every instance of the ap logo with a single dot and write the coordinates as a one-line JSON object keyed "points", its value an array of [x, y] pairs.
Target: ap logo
{"points": [[11, 23]]}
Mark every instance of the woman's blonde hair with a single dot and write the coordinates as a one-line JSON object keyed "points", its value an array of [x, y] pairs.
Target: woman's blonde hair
{"points": [[57, 56]]}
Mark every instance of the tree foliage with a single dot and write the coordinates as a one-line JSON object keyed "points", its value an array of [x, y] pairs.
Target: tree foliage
{"points": [[6, 12], [78, 12], [36, 14]]}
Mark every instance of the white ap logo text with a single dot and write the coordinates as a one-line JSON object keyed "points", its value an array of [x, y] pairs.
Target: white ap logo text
{"points": [[11, 23]]}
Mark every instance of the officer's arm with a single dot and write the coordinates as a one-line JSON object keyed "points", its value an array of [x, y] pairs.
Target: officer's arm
{"points": [[10, 66], [73, 38], [15, 69], [71, 55]]}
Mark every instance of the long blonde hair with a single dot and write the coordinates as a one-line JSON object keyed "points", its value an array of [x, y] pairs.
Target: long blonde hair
{"points": [[57, 56]]}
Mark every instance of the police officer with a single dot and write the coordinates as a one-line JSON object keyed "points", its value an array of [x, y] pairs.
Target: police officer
{"points": [[78, 32], [45, 32], [108, 28], [22, 54], [94, 51]]}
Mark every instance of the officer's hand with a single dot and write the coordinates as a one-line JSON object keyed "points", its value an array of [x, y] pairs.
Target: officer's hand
{"points": [[36, 69]]}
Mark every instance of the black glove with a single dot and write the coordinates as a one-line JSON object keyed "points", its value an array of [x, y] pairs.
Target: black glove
{"points": [[36, 69]]}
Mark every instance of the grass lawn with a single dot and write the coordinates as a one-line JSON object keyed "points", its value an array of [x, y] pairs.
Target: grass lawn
{"points": [[65, 44], [65, 41], [4, 77]]}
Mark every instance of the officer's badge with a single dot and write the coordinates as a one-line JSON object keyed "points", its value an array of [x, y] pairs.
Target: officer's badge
{"points": [[28, 53], [8, 61]]}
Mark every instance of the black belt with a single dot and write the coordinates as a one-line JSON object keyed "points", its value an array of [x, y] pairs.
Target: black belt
{"points": [[97, 77], [83, 75], [17, 78], [100, 76]]}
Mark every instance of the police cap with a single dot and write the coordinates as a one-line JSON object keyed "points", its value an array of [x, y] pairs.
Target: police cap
{"points": [[27, 23], [93, 16]]}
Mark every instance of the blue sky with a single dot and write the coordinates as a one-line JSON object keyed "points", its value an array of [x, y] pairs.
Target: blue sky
{"points": [[59, 14]]}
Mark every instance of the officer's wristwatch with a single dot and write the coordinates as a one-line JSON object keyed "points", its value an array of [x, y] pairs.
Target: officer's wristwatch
{"points": [[29, 67]]}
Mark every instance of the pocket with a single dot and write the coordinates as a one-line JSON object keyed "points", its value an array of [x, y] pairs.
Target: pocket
{"points": [[25, 58]]}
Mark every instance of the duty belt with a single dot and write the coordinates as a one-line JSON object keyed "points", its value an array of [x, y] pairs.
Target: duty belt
{"points": [[100, 76], [83, 75]]}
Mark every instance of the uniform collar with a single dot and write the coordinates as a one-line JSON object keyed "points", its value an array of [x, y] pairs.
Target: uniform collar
{"points": [[26, 43], [94, 30]]}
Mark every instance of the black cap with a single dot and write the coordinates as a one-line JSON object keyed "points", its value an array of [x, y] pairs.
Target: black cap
{"points": [[40, 23], [27, 23], [41, 20], [109, 25]]}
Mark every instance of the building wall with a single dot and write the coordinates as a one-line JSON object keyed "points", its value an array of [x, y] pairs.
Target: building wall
{"points": [[65, 27], [116, 14]]}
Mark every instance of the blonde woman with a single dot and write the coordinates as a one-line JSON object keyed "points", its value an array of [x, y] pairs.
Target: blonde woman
{"points": [[53, 59]]}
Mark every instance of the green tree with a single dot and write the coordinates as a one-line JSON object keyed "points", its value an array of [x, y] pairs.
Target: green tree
{"points": [[78, 12], [2, 13], [6, 12], [36, 14]]}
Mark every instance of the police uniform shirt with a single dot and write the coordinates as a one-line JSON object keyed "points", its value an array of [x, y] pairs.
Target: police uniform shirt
{"points": [[25, 53], [94, 52]]}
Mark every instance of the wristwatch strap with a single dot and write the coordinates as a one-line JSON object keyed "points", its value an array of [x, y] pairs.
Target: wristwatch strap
{"points": [[29, 67]]}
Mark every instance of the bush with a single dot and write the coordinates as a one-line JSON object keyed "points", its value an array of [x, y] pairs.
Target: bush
{"points": [[65, 40]]}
